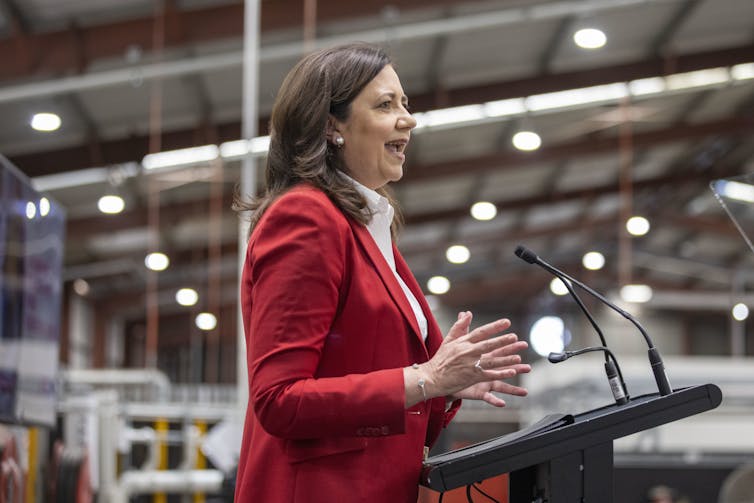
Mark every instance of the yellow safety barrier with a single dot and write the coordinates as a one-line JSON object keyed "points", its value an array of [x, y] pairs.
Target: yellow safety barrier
{"points": [[31, 477], [161, 427], [201, 461]]}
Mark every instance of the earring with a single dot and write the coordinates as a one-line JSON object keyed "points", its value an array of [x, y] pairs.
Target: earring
{"points": [[339, 141]]}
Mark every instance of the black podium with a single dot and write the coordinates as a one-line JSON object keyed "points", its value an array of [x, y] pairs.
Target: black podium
{"points": [[565, 458]]}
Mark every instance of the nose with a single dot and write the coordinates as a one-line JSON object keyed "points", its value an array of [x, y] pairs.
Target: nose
{"points": [[406, 121]]}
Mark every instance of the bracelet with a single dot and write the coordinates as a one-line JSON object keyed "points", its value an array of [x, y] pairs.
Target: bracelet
{"points": [[421, 382]]}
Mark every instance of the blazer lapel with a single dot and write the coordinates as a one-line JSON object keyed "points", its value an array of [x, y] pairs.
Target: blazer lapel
{"points": [[434, 334], [387, 276]]}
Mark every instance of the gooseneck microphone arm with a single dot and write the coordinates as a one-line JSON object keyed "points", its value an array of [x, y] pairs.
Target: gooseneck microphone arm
{"points": [[585, 310], [614, 374], [655, 360]]}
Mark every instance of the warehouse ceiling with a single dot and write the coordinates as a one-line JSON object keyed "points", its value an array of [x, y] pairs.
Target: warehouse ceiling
{"points": [[670, 108]]}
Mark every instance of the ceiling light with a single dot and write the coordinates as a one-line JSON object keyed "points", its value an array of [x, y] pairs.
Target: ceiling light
{"points": [[44, 206], [182, 157], [502, 108], [594, 261], [736, 190], [31, 210], [45, 122], [483, 210], [157, 261], [548, 335], [81, 287], [636, 293], [590, 38], [575, 97], [558, 287], [637, 226], [438, 285], [527, 141], [186, 297], [740, 312], [642, 87], [453, 115], [699, 78], [111, 204], [457, 254], [206, 321], [743, 71]]}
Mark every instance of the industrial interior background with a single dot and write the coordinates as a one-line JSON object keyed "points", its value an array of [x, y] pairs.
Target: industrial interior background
{"points": [[638, 127]]}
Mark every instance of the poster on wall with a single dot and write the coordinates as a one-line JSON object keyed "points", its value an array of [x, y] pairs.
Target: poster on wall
{"points": [[32, 230]]}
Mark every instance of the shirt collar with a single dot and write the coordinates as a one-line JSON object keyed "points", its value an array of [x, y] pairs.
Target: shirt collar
{"points": [[376, 203]]}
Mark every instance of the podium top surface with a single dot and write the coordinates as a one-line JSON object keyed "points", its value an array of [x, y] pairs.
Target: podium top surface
{"points": [[557, 435]]}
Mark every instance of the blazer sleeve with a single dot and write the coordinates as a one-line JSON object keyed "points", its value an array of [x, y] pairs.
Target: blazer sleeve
{"points": [[294, 270]]}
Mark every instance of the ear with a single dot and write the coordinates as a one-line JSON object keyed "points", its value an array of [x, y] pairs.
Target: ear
{"points": [[331, 128]]}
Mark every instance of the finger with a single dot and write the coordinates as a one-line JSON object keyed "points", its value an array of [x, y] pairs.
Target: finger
{"points": [[509, 389], [493, 400], [498, 374], [490, 329], [488, 346], [499, 362], [460, 327], [514, 347], [522, 368]]}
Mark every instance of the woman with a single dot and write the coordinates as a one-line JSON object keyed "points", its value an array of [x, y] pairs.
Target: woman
{"points": [[349, 375]]}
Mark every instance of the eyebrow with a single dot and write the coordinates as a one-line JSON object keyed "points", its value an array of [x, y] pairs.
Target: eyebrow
{"points": [[391, 94]]}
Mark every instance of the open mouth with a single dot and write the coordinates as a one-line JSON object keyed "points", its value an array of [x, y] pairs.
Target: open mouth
{"points": [[397, 147]]}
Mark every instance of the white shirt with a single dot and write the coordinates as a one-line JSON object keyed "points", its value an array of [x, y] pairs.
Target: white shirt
{"points": [[379, 229]]}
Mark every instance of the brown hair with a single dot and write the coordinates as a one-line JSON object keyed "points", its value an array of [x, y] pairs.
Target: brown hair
{"points": [[322, 84]]}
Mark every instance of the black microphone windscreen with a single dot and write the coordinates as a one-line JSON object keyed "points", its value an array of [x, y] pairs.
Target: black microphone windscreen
{"points": [[557, 357], [526, 254]]}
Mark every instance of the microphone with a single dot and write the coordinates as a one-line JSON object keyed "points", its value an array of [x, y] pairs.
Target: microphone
{"points": [[612, 369], [655, 360]]}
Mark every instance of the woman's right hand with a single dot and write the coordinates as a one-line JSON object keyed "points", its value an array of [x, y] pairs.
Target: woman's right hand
{"points": [[468, 358]]}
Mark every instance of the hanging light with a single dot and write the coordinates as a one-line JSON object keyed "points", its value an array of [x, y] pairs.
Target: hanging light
{"points": [[438, 285], [186, 297], [740, 311], [206, 321], [157, 261], [45, 122], [483, 210], [458, 254], [594, 261], [558, 287], [111, 204], [637, 226], [527, 141]]}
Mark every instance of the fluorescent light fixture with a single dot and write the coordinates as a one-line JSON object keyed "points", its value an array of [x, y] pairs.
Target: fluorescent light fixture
{"points": [[636, 293], [182, 157], [736, 190], [438, 285], [453, 115], [259, 145], [206, 321], [558, 287], [548, 335], [457, 254], [699, 78], [45, 121], [643, 87], [740, 312], [502, 108], [527, 141], [743, 71], [111, 204], [575, 97], [234, 149], [637, 226], [590, 38], [483, 210], [594, 261]]}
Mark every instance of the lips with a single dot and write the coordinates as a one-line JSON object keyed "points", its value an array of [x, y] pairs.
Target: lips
{"points": [[397, 148]]}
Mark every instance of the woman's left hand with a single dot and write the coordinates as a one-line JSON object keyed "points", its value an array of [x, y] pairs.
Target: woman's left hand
{"points": [[484, 390]]}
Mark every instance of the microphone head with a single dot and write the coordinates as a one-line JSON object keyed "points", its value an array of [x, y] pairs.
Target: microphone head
{"points": [[557, 357], [526, 254]]}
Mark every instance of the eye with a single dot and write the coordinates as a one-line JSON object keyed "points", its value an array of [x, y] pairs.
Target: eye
{"points": [[385, 104]]}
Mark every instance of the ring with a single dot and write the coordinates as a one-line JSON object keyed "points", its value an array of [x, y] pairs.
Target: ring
{"points": [[478, 365]]}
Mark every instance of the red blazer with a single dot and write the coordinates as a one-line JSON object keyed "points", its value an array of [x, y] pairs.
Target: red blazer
{"points": [[328, 332]]}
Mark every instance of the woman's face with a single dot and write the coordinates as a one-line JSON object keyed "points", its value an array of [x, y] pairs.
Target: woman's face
{"points": [[377, 131]]}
